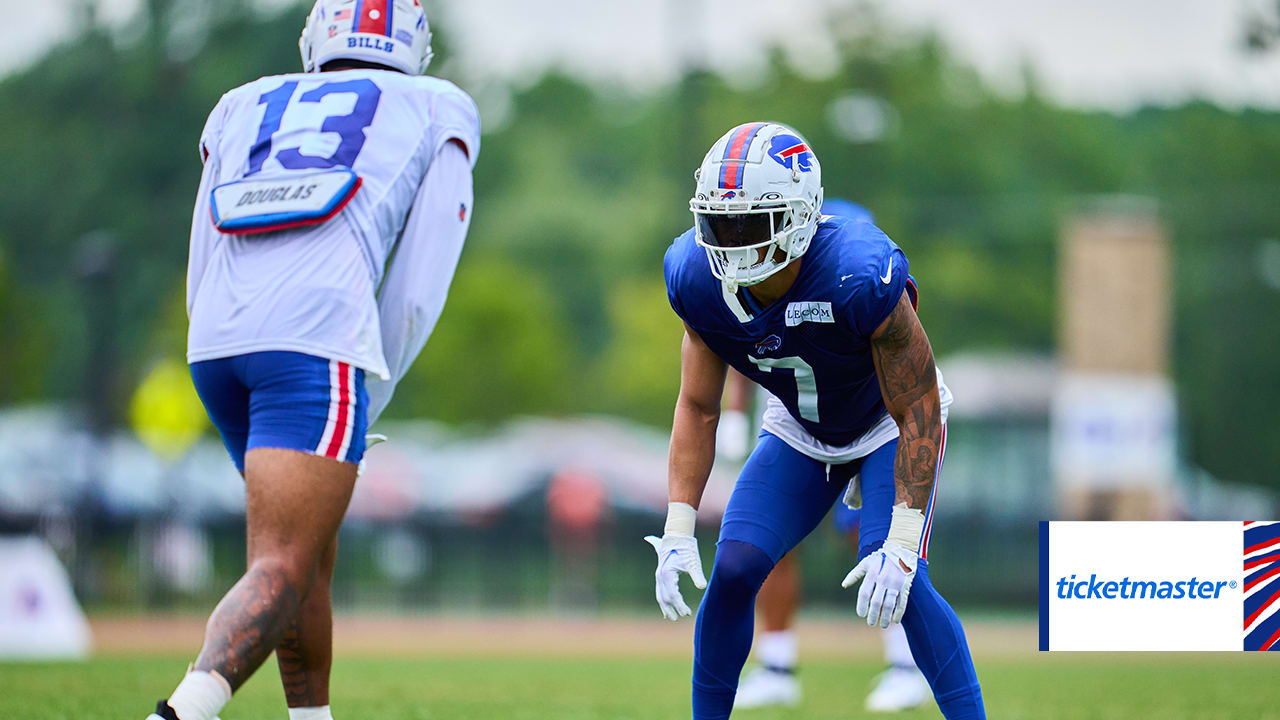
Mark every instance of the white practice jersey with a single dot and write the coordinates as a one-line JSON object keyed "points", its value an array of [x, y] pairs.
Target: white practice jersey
{"points": [[314, 289]]}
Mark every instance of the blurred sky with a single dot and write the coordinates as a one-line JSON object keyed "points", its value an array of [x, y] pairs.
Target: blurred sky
{"points": [[1098, 53]]}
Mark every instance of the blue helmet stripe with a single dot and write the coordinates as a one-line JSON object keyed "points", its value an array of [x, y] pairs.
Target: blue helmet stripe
{"points": [[355, 18]]}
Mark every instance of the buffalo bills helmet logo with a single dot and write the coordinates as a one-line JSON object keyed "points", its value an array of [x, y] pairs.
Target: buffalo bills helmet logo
{"points": [[769, 344], [791, 152]]}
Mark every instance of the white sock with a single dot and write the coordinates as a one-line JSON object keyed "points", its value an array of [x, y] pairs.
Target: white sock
{"points": [[310, 713], [777, 649], [896, 650], [200, 696]]}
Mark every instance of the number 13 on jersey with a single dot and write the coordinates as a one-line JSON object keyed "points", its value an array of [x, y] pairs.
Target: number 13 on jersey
{"points": [[349, 128]]}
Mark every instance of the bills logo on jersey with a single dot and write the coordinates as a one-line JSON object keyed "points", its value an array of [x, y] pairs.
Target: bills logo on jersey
{"points": [[791, 152], [769, 344]]}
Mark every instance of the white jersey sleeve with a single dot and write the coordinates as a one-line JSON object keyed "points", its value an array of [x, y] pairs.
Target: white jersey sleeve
{"points": [[198, 258], [456, 118], [422, 266], [313, 289], [212, 130]]}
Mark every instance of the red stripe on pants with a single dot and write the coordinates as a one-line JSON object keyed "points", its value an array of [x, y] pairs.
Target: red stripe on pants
{"points": [[344, 406]]}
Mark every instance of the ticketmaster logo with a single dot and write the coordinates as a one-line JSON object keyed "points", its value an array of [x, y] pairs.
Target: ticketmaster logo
{"points": [[1172, 585], [1126, 589]]}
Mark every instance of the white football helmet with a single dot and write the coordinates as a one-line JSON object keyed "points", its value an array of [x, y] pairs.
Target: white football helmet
{"points": [[394, 33], [757, 202]]}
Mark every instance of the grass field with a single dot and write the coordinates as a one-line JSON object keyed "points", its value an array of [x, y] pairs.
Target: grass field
{"points": [[609, 680]]}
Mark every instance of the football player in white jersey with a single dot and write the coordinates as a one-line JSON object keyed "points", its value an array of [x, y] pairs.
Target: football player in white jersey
{"points": [[330, 217]]}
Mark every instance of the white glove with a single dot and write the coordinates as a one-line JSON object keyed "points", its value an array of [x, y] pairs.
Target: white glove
{"points": [[887, 573], [677, 552]]}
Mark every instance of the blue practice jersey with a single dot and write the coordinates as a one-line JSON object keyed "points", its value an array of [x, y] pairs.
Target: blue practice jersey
{"points": [[812, 347]]}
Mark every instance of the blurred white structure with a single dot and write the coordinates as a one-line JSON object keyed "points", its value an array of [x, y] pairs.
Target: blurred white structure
{"points": [[39, 616]]}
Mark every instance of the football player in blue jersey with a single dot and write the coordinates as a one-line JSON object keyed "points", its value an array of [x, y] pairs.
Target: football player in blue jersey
{"points": [[774, 680], [820, 312]]}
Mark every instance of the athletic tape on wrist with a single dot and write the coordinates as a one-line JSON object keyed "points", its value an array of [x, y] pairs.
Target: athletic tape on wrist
{"points": [[680, 519], [906, 527]]}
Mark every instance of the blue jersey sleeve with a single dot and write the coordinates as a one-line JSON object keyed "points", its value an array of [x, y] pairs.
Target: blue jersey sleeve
{"points": [[673, 270], [876, 275]]}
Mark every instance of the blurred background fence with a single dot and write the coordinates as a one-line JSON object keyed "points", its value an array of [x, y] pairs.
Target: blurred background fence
{"points": [[528, 443], [534, 515]]}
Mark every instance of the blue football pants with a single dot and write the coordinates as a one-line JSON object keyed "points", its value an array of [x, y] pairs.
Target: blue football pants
{"points": [[780, 497]]}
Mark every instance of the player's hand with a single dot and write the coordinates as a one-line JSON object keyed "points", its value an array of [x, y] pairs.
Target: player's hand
{"points": [[886, 576], [676, 554]]}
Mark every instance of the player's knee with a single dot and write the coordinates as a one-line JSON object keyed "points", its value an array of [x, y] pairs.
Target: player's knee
{"points": [[285, 570], [740, 567]]}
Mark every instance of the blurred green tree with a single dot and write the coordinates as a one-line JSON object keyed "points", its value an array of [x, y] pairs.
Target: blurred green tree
{"points": [[502, 348], [638, 375], [559, 305]]}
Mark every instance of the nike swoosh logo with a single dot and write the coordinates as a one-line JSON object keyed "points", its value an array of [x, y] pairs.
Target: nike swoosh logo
{"points": [[668, 557], [845, 277], [888, 274]]}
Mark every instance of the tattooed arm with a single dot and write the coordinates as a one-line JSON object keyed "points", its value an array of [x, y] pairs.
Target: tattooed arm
{"points": [[909, 384]]}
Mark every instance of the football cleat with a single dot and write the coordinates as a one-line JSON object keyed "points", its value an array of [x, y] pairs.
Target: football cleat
{"points": [[899, 688], [164, 712], [766, 686]]}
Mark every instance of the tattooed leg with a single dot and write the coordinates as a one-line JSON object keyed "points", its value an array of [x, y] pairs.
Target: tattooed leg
{"points": [[248, 622], [295, 503], [305, 654]]}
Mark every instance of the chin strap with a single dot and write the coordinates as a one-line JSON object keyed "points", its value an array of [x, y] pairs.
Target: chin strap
{"points": [[732, 261]]}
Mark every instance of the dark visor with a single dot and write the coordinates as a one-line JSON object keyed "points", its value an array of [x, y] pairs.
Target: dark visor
{"points": [[734, 231]]}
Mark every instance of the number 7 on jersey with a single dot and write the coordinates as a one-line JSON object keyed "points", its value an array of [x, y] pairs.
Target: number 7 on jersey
{"points": [[806, 383]]}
